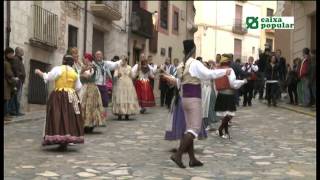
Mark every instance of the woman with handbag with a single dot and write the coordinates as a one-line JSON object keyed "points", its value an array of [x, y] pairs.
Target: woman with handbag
{"points": [[225, 105]]}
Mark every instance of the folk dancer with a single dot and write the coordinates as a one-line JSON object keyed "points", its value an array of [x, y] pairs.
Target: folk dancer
{"points": [[225, 106], [193, 71], [64, 123], [124, 96], [90, 98]]}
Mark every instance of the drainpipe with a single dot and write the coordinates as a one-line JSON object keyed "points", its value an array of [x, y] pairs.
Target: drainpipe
{"points": [[187, 20], [85, 27], [129, 30], [8, 29]]}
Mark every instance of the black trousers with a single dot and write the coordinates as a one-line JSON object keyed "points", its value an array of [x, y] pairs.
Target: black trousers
{"points": [[163, 91], [169, 96], [272, 91], [248, 92], [292, 91]]}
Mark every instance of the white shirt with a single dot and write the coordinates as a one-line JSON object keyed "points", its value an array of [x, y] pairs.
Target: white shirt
{"points": [[134, 72], [107, 65], [250, 68], [198, 70], [234, 82], [56, 72]]}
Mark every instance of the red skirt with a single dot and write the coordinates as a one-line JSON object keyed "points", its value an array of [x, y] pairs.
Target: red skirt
{"points": [[144, 93]]}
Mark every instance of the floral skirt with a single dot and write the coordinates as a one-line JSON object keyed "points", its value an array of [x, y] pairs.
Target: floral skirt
{"points": [[63, 120], [91, 105]]}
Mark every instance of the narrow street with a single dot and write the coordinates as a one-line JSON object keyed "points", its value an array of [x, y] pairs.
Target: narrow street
{"points": [[267, 143]]}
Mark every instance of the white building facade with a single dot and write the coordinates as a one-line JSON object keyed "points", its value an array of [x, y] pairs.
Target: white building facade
{"points": [[222, 29]]}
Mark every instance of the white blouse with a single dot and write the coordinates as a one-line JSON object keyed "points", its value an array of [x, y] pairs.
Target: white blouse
{"points": [[134, 72], [56, 72]]}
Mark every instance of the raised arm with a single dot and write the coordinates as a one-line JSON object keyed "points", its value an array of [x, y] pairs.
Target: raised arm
{"points": [[234, 83], [112, 65], [50, 76], [197, 69], [134, 71]]}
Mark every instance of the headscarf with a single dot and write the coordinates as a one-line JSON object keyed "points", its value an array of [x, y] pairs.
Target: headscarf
{"points": [[88, 56]]}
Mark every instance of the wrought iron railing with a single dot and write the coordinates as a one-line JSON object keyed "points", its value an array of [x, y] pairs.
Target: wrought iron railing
{"points": [[239, 26], [45, 26]]}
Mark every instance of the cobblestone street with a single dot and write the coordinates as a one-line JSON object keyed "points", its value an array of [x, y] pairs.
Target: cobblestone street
{"points": [[267, 143]]}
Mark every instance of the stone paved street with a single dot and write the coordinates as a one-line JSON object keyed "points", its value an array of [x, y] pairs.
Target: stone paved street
{"points": [[267, 143]]}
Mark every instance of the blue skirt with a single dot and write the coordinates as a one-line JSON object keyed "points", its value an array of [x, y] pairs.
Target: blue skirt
{"points": [[179, 123]]}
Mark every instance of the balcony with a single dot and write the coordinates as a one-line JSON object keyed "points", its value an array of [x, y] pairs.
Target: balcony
{"points": [[45, 28], [270, 31], [110, 10], [141, 21], [239, 27]]}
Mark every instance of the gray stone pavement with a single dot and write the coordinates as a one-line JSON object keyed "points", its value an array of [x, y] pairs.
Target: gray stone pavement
{"points": [[267, 143]]}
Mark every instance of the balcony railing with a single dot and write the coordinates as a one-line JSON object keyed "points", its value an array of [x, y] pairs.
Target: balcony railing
{"points": [[239, 27], [141, 21], [110, 10], [45, 28]]}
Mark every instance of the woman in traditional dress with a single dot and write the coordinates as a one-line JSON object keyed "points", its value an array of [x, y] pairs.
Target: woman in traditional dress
{"points": [[142, 72], [225, 106], [124, 96], [206, 88], [64, 123], [91, 103]]}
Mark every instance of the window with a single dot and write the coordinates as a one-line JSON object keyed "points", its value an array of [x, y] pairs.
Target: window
{"points": [[238, 18], [175, 20], [237, 48], [164, 14], [72, 36], [269, 12], [270, 42]]}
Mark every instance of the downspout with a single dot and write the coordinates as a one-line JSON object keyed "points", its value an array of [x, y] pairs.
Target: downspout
{"points": [[8, 29], [187, 20], [129, 30], [85, 27]]}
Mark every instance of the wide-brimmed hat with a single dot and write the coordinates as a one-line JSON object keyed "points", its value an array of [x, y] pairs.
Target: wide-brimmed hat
{"points": [[188, 46], [224, 58]]}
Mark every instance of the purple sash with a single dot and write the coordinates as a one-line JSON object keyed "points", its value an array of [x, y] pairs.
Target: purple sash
{"points": [[191, 90]]}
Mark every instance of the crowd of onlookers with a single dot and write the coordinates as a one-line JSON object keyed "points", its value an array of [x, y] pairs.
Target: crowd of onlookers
{"points": [[14, 77], [275, 76]]}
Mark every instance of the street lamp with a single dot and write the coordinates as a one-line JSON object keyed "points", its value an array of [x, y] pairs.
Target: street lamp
{"points": [[154, 19]]}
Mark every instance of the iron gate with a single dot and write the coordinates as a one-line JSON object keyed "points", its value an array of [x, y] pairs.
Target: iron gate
{"points": [[38, 90]]}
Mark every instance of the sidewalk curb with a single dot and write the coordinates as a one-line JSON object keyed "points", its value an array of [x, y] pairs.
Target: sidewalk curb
{"points": [[297, 111], [27, 119]]}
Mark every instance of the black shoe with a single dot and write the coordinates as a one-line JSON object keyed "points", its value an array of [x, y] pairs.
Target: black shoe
{"points": [[119, 117], [177, 161], [195, 163], [142, 111], [244, 105], [127, 117], [249, 104]]}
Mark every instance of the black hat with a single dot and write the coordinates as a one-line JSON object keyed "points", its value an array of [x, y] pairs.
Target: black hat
{"points": [[188, 45]]}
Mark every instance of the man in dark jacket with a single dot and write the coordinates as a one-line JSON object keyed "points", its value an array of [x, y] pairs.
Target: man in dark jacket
{"points": [[264, 59], [282, 70], [19, 72], [272, 83]]}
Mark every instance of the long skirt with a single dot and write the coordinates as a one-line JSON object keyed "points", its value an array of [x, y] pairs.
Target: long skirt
{"points": [[63, 121], [144, 93], [124, 98], [104, 95], [212, 116], [225, 105], [91, 104], [177, 123]]}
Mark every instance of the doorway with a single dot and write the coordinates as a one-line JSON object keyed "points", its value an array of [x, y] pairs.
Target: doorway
{"points": [[98, 41], [136, 55]]}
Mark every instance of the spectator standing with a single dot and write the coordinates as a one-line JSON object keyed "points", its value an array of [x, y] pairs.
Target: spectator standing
{"points": [[150, 62], [292, 81], [251, 69], [20, 73], [303, 75], [282, 70], [312, 77], [264, 60], [272, 83], [9, 80]]}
